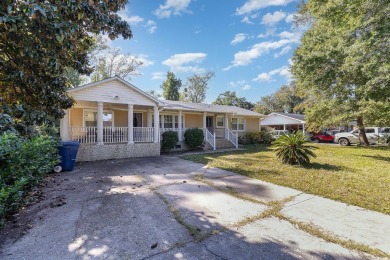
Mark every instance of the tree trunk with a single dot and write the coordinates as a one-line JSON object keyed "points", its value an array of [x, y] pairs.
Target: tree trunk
{"points": [[362, 133]]}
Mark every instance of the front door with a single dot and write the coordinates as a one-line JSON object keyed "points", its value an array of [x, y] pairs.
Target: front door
{"points": [[137, 120], [210, 123]]}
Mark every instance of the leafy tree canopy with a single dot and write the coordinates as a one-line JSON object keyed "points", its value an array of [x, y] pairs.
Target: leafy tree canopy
{"points": [[230, 99], [196, 87], [286, 99], [171, 87], [39, 41], [343, 62]]}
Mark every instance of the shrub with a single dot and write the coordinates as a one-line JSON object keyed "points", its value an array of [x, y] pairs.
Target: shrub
{"points": [[266, 136], [194, 137], [291, 149], [23, 164], [169, 140]]}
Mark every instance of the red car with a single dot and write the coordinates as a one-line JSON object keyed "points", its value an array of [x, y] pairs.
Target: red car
{"points": [[322, 137]]}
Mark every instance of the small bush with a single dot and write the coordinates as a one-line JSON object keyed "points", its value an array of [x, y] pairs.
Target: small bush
{"points": [[169, 140], [23, 164], [265, 136], [291, 149], [194, 137]]}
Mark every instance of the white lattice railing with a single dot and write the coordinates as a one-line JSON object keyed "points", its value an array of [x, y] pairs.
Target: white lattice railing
{"points": [[84, 135], [114, 134], [210, 138], [231, 137], [143, 134]]}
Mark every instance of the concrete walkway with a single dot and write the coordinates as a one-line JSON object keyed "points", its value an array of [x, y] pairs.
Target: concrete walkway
{"points": [[170, 208]]}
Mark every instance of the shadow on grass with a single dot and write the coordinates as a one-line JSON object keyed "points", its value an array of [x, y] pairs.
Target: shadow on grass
{"points": [[324, 166], [377, 157]]}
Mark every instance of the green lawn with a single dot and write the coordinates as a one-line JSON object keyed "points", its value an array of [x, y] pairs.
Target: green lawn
{"points": [[354, 175]]}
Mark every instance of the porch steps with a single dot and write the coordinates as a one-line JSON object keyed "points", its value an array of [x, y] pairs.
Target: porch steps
{"points": [[221, 143]]}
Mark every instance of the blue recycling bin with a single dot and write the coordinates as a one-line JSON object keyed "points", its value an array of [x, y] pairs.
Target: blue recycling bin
{"points": [[68, 153]]}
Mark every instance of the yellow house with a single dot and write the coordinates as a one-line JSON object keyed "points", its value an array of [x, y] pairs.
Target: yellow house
{"points": [[113, 119]]}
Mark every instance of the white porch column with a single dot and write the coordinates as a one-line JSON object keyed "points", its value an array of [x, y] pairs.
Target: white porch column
{"points": [[156, 124], [149, 118], [162, 123], [130, 119], [64, 126], [284, 127], [303, 128], [226, 122], [180, 129], [100, 123], [204, 124]]}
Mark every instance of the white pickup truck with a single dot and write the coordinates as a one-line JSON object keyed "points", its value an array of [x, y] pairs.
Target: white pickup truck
{"points": [[374, 135]]}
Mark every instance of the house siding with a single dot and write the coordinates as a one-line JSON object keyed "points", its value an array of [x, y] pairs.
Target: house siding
{"points": [[76, 117], [120, 118], [106, 92], [252, 124], [193, 121]]}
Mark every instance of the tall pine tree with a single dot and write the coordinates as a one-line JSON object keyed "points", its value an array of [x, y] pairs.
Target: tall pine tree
{"points": [[171, 87]]}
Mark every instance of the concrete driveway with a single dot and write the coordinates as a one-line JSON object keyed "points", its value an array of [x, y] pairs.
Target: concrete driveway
{"points": [[169, 208]]}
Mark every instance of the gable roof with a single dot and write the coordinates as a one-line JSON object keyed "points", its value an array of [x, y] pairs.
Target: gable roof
{"points": [[295, 117], [115, 78], [201, 107]]}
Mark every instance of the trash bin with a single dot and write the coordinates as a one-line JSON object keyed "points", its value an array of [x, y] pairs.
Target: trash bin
{"points": [[68, 152]]}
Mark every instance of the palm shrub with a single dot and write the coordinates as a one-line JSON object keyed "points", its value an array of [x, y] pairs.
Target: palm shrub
{"points": [[292, 149]]}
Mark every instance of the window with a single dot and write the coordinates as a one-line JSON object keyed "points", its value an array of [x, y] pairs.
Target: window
{"points": [[177, 121], [168, 121], [238, 124], [220, 122], [370, 131], [90, 118]]}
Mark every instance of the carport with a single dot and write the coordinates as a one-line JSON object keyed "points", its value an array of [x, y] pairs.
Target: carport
{"points": [[284, 121]]}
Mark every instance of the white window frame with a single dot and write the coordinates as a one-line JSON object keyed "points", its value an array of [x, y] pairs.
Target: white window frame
{"points": [[173, 120], [95, 110], [243, 123], [223, 121]]}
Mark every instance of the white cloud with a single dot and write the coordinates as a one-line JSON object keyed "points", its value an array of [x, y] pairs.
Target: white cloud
{"points": [[272, 19], [284, 51], [152, 26], [144, 59], [133, 20], [158, 75], [282, 71], [246, 87], [255, 5], [172, 7], [240, 37], [238, 83], [246, 20], [290, 18], [185, 62]]}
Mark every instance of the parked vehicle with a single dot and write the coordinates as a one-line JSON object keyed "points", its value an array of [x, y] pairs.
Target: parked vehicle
{"points": [[322, 137], [276, 133], [374, 135]]}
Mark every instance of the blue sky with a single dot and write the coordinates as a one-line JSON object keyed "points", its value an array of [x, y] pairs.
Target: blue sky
{"points": [[247, 43]]}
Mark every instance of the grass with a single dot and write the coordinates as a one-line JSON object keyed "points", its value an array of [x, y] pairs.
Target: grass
{"points": [[355, 175]]}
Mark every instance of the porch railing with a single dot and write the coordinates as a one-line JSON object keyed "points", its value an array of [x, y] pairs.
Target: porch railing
{"points": [[210, 138], [143, 134], [88, 135], [231, 137], [114, 134], [84, 135]]}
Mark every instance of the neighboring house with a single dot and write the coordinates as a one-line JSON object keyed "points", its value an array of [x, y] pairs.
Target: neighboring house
{"points": [[284, 121], [289, 121], [113, 119]]}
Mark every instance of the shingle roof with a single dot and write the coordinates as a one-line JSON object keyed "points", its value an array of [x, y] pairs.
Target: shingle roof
{"points": [[201, 107], [294, 116]]}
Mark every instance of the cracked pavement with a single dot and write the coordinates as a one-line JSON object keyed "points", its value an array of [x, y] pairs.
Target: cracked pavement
{"points": [[169, 208]]}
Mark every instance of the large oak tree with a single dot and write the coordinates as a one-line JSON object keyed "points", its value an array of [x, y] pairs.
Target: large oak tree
{"points": [[39, 40], [343, 62]]}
